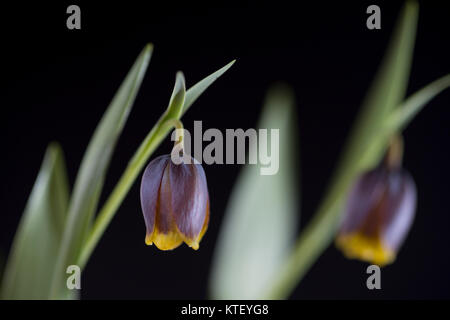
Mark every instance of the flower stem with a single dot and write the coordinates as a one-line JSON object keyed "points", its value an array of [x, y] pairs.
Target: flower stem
{"points": [[178, 125], [135, 166], [394, 154]]}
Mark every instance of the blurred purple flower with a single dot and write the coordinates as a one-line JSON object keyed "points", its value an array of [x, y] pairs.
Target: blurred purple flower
{"points": [[378, 215]]}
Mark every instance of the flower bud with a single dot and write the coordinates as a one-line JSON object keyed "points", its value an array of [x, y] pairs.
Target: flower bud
{"points": [[378, 215], [175, 203]]}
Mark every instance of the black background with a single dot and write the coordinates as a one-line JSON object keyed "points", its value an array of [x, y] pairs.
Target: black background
{"points": [[56, 83]]}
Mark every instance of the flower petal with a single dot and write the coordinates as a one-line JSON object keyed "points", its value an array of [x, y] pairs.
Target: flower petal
{"points": [[401, 207], [357, 245], [166, 241], [364, 196], [150, 185], [165, 235], [189, 199], [378, 216]]}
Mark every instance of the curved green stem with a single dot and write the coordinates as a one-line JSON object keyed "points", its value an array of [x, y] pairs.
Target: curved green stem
{"points": [[312, 241], [127, 179]]}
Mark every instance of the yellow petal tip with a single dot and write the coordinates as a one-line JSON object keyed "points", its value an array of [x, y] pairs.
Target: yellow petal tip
{"points": [[166, 241], [148, 240], [194, 245], [358, 246]]}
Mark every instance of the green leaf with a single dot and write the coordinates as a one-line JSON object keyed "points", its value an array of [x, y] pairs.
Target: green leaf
{"points": [[2, 268], [177, 99], [156, 135], [90, 178], [385, 94], [196, 90], [160, 130], [387, 91], [261, 218], [31, 262], [401, 116]]}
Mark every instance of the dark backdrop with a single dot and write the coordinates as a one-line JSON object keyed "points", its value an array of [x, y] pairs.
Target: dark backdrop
{"points": [[56, 84]]}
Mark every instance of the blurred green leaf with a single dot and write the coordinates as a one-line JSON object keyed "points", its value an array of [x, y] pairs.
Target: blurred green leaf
{"points": [[180, 100], [261, 218], [32, 258], [386, 93], [401, 116], [90, 178], [2, 266]]}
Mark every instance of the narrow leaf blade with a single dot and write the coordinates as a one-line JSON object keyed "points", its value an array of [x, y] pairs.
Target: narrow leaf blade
{"points": [[402, 115], [160, 131], [196, 90], [261, 217], [32, 259], [91, 174], [387, 90], [178, 97]]}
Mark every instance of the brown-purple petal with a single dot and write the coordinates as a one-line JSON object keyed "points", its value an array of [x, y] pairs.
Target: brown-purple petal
{"points": [[150, 186], [189, 198], [400, 208], [165, 219], [381, 204], [363, 197]]}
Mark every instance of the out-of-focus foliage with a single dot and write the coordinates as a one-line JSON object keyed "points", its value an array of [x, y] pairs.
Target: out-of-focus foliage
{"points": [[261, 218], [367, 143], [31, 263], [92, 172], [383, 113]]}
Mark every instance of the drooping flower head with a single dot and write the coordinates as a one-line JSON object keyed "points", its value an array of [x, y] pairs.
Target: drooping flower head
{"points": [[379, 212], [175, 203]]}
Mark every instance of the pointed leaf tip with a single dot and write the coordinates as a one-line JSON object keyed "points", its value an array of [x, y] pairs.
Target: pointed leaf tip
{"points": [[194, 92], [178, 97], [91, 175], [27, 275]]}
